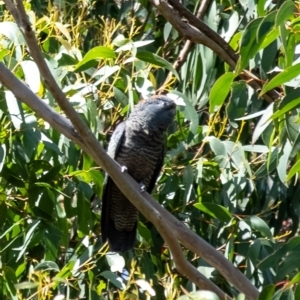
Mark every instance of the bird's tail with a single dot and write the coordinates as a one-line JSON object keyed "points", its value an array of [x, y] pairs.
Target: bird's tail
{"points": [[116, 209], [120, 241]]}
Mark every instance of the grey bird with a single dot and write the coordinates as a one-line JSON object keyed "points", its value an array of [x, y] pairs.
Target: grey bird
{"points": [[139, 145]]}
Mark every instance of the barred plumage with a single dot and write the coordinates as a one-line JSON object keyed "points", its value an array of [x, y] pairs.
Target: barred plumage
{"points": [[138, 144]]}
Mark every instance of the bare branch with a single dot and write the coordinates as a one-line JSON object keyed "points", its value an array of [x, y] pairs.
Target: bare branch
{"points": [[194, 21], [197, 32], [191, 32], [188, 46]]}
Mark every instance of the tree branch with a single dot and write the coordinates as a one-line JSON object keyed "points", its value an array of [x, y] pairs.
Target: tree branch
{"points": [[181, 264], [190, 32], [188, 46], [197, 32]]}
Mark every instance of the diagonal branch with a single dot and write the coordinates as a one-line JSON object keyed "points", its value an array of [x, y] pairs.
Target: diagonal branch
{"points": [[211, 34], [197, 32], [188, 46]]}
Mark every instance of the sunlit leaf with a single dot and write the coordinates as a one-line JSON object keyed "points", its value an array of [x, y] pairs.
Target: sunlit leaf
{"points": [[283, 77], [156, 60], [113, 278], [216, 211], [260, 225], [220, 91], [285, 12], [267, 292], [115, 261], [263, 123], [97, 53]]}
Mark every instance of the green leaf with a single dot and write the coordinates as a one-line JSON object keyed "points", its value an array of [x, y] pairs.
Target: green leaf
{"points": [[220, 91], [207, 295], [290, 51], [188, 180], [297, 292], [11, 280], [295, 169], [261, 8], [295, 279], [100, 52], [251, 116], [156, 60], [258, 35], [254, 251], [31, 74], [256, 148], [288, 264], [2, 156], [132, 46], [219, 150], [285, 12], [28, 237], [265, 26], [258, 224], [288, 107], [237, 102], [283, 161], [273, 259], [113, 278], [288, 294], [283, 77], [263, 123], [3, 212], [47, 266], [3, 53], [216, 211], [104, 73], [66, 270], [67, 60], [267, 292], [12, 32], [144, 232], [84, 211], [249, 45], [15, 109], [189, 113], [26, 285]]}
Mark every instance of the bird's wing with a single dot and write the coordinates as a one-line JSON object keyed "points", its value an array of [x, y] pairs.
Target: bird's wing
{"points": [[112, 151], [116, 140], [157, 169]]}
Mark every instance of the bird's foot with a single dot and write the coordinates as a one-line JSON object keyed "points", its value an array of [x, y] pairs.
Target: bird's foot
{"points": [[124, 169], [142, 187]]}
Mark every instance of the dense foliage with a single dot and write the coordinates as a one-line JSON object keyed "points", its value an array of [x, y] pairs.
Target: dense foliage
{"points": [[231, 170]]}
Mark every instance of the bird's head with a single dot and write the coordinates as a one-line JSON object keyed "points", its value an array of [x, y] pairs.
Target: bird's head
{"points": [[156, 112]]}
